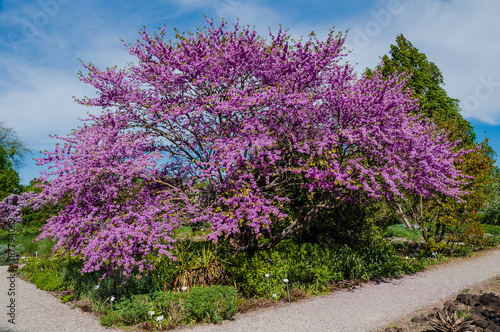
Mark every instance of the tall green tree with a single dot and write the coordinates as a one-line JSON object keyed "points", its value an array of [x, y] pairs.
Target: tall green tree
{"points": [[427, 84], [442, 219], [14, 147], [12, 152]]}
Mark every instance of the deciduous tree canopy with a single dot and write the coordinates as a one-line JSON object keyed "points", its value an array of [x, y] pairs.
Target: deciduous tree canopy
{"points": [[225, 128]]}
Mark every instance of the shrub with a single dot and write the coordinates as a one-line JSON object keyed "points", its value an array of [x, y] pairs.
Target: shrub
{"points": [[402, 231], [111, 318], [199, 263], [212, 304], [47, 281], [171, 306], [5, 253], [112, 285], [491, 229], [67, 298], [134, 310]]}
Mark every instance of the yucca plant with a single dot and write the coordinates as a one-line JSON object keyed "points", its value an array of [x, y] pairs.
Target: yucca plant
{"points": [[450, 323]]}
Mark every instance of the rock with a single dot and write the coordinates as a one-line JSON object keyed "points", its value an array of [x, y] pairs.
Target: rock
{"points": [[482, 323], [489, 299], [451, 305], [476, 316], [475, 329], [468, 299], [464, 298], [420, 319], [479, 308]]}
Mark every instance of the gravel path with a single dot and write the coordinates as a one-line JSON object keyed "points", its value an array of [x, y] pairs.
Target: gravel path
{"points": [[39, 311], [369, 307], [363, 309]]}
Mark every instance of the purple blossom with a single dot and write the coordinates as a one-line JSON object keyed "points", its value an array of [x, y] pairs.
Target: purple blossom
{"points": [[224, 128]]}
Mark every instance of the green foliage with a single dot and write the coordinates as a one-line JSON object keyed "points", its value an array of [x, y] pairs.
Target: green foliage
{"points": [[12, 144], [170, 306], [492, 235], [402, 231], [492, 229], [37, 218], [443, 220], [12, 151], [84, 285], [25, 238], [9, 178], [491, 213], [24, 241], [47, 280], [67, 298], [134, 310], [111, 318], [212, 304], [427, 83], [349, 224], [314, 266], [198, 263], [8, 255]]}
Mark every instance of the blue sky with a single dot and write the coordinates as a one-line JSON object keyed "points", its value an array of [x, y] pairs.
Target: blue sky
{"points": [[40, 42]]}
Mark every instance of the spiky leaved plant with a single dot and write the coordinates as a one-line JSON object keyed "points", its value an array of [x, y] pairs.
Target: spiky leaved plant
{"points": [[450, 323]]}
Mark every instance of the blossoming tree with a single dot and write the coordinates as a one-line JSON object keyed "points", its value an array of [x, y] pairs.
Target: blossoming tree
{"points": [[225, 128]]}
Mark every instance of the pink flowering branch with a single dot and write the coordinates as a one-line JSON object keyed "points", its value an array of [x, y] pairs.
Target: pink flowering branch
{"points": [[223, 127]]}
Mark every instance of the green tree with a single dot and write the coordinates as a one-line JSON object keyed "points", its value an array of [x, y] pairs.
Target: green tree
{"points": [[12, 152], [442, 219], [427, 84], [9, 178]]}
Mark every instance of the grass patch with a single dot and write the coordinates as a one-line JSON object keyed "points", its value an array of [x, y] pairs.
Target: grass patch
{"points": [[402, 231]]}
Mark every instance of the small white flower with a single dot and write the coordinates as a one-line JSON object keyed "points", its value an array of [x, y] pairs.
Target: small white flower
{"points": [[267, 275], [96, 287], [406, 257], [23, 257], [285, 280], [159, 318], [274, 295], [112, 298], [151, 313], [184, 288], [41, 269]]}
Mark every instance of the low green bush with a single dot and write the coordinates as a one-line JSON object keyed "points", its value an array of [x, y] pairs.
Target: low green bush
{"points": [[492, 229], [111, 318], [212, 304], [47, 281], [171, 306], [134, 310], [314, 267], [7, 255], [402, 231], [67, 298], [84, 285]]}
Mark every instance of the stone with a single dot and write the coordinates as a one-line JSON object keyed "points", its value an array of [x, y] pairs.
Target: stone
{"points": [[476, 316], [420, 319], [489, 299], [482, 323], [464, 298]]}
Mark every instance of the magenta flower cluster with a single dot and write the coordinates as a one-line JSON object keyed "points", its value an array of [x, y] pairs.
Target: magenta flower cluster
{"points": [[224, 127]]}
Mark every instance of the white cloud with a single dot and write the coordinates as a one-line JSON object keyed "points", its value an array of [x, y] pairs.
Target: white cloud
{"points": [[37, 101], [460, 36]]}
